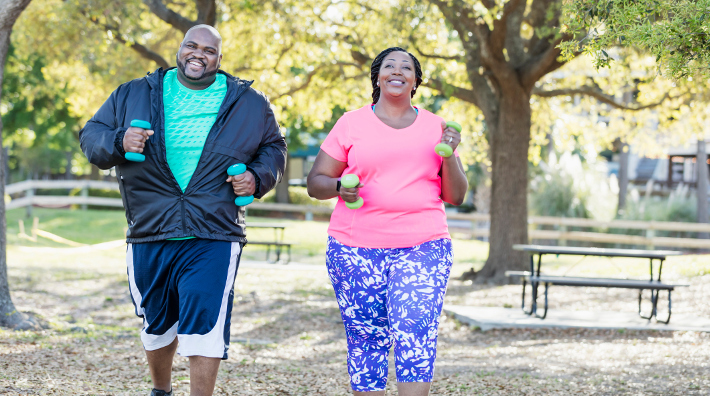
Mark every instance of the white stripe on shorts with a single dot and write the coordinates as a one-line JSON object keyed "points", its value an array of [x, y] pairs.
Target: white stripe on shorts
{"points": [[151, 342], [212, 344]]}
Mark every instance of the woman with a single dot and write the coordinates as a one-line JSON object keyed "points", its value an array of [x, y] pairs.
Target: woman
{"points": [[389, 260]]}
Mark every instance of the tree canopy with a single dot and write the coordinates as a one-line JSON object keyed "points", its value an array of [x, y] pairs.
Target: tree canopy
{"points": [[676, 32], [515, 73]]}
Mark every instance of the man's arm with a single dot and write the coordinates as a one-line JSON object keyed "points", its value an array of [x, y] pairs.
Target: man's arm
{"points": [[270, 160], [101, 138]]}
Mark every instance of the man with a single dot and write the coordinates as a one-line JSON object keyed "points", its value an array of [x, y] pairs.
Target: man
{"points": [[185, 234]]}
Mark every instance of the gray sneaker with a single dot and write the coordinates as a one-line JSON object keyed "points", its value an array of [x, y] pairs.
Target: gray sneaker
{"points": [[157, 392]]}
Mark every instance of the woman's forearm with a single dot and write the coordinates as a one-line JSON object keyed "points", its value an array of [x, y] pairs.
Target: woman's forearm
{"points": [[454, 184], [322, 187]]}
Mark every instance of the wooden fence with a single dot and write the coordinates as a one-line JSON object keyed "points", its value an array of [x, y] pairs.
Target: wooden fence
{"points": [[475, 224]]}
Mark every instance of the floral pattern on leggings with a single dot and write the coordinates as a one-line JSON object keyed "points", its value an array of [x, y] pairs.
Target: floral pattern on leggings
{"points": [[390, 297]]}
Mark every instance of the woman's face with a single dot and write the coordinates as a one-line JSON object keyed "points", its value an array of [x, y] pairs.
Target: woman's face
{"points": [[397, 74]]}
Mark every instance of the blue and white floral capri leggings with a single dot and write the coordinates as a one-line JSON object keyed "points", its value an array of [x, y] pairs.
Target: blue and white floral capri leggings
{"points": [[390, 297]]}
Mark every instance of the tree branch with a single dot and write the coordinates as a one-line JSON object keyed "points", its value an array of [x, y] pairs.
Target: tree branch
{"points": [[536, 18], [206, 12], [413, 41], [311, 74], [538, 66], [10, 11], [600, 96], [514, 43], [467, 95], [462, 18], [144, 52], [171, 17], [139, 48], [498, 36]]}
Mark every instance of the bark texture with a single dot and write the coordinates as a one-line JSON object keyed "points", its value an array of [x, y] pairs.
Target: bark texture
{"points": [[10, 10], [509, 214], [503, 67]]}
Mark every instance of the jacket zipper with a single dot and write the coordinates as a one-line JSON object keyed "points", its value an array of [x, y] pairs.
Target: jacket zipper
{"points": [[217, 124], [166, 167], [164, 152], [182, 214]]}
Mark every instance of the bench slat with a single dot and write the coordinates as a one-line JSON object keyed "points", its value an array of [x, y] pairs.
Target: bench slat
{"points": [[270, 243], [595, 282]]}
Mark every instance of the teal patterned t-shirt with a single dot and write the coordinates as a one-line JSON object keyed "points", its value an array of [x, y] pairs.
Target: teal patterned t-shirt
{"points": [[189, 116]]}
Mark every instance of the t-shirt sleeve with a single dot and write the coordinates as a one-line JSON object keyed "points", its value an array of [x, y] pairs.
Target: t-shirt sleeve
{"points": [[337, 144]]}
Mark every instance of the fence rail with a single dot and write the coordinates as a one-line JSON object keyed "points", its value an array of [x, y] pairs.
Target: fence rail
{"points": [[477, 223]]}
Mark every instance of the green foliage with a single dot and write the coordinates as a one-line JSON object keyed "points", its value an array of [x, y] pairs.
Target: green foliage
{"points": [[680, 205], [39, 129], [570, 188], [676, 32]]}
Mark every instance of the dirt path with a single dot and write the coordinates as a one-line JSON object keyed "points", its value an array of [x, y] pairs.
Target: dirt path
{"points": [[288, 340]]}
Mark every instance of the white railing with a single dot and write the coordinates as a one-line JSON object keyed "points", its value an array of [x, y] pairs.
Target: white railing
{"points": [[476, 223]]}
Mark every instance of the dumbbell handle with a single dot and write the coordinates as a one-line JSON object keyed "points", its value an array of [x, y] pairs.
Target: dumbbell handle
{"points": [[238, 169], [443, 149], [137, 157], [352, 181]]}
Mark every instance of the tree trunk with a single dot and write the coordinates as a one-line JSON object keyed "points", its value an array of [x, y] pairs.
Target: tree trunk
{"points": [[510, 141], [10, 10], [282, 187], [95, 173], [702, 186], [68, 175]]}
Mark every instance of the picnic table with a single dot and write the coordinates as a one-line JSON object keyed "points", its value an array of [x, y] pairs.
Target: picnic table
{"points": [[278, 241], [654, 284]]}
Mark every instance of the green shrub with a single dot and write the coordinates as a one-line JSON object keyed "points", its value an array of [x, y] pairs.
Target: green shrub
{"points": [[570, 188], [681, 206]]}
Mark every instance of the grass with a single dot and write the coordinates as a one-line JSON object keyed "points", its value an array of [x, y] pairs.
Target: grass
{"points": [[92, 345], [96, 226], [309, 238]]}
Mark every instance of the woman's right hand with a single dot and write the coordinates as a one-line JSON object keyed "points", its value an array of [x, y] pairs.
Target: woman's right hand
{"points": [[350, 194]]}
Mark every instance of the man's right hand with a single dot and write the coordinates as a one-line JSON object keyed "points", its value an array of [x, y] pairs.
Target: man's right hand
{"points": [[134, 139]]}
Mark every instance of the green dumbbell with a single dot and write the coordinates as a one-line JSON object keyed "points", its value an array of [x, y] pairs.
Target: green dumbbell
{"points": [[351, 181], [137, 157], [444, 149], [238, 169]]}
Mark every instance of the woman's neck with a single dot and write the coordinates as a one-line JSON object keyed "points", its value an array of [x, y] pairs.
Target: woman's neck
{"points": [[393, 109]]}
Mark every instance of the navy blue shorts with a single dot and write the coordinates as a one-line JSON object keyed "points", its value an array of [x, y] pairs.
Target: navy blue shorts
{"points": [[184, 289]]}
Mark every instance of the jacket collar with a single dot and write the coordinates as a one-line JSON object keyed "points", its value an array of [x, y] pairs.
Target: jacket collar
{"points": [[235, 85]]}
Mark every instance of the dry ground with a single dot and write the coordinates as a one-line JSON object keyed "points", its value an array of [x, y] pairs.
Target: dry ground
{"points": [[288, 338]]}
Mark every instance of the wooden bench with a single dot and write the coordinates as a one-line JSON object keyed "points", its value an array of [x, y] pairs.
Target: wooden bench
{"points": [[535, 278], [278, 247], [277, 242]]}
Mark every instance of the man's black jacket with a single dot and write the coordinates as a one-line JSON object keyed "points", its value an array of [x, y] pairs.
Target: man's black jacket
{"points": [[245, 131]]}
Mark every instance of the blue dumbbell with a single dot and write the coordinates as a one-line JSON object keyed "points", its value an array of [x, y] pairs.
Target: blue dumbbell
{"points": [[238, 169], [137, 157]]}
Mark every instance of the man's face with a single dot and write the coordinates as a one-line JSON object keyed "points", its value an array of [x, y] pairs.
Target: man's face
{"points": [[199, 57]]}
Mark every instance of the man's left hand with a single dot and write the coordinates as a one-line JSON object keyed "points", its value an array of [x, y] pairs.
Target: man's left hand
{"points": [[244, 184]]}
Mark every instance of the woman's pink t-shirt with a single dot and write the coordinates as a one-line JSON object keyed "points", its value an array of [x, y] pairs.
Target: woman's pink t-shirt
{"points": [[399, 171]]}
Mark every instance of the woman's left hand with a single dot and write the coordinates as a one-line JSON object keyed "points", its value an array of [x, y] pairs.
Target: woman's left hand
{"points": [[450, 136]]}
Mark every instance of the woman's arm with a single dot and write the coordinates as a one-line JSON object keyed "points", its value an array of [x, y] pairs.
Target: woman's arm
{"points": [[323, 178], [453, 181], [453, 178]]}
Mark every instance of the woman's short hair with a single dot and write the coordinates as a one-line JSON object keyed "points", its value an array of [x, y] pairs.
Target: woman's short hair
{"points": [[375, 71]]}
